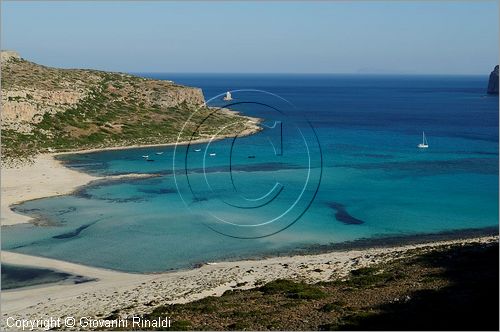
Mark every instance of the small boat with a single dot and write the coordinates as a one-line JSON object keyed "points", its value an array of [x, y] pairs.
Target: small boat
{"points": [[158, 153], [251, 157], [424, 144], [228, 96], [212, 155], [197, 150], [150, 160], [146, 156]]}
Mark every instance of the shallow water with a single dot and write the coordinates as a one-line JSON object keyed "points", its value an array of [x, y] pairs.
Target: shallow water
{"points": [[17, 276], [372, 179]]}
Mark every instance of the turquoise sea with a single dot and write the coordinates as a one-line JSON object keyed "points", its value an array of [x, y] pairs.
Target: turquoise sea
{"points": [[338, 163]]}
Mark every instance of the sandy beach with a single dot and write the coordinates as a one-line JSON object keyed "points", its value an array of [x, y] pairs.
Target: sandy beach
{"points": [[44, 177], [137, 293], [249, 166]]}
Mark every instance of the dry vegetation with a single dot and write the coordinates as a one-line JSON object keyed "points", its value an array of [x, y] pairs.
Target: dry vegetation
{"points": [[50, 109], [425, 290]]}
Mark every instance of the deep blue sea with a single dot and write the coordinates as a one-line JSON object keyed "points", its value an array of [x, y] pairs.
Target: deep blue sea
{"points": [[337, 161]]}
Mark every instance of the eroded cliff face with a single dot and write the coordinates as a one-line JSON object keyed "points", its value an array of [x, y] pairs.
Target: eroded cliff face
{"points": [[52, 109], [29, 91], [493, 82], [21, 109]]}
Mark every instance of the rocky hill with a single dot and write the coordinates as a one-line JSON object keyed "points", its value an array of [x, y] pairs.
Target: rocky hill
{"points": [[52, 109], [493, 82]]}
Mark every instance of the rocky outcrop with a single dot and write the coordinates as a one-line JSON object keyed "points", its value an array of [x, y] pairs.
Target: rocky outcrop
{"points": [[29, 91], [21, 109], [7, 56], [48, 109], [493, 82]]}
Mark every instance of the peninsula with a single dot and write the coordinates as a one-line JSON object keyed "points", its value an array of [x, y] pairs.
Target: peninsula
{"points": [[48, 109], [381, 283]]}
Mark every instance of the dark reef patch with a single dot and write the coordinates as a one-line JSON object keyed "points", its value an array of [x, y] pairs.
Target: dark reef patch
{"points": [[37, 218], [83, 193], [153, 181], [260, 167], [373, 155], [160, 191], [434, 167], [74, 233], [65, 211], [199, 199], [343, 216]]}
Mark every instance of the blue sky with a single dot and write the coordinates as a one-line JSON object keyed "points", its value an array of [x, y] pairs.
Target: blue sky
{"points": [[395, 37]]}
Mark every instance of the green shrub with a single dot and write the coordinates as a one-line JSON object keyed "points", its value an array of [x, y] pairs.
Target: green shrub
{"points": [[294, 290]]}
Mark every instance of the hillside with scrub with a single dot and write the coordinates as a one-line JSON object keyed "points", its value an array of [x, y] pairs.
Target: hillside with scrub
{"points": [[48, 109]]}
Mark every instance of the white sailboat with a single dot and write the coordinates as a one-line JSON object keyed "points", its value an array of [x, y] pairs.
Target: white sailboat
{"points": [[228, 96], [424, 144]]}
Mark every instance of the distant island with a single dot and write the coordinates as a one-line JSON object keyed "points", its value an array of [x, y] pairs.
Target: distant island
{"points": [[493, 82], [48, 109]]}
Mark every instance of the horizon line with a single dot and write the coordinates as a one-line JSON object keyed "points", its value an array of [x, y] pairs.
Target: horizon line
{"points": [[306, 73]]}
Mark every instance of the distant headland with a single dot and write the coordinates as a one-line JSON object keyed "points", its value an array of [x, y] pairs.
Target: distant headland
{"points": [[493, 82]]}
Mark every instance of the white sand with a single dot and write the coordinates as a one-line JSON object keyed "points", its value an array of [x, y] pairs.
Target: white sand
{"points": [[45, 177], [138, 293], [42, 178], [141, 292]]}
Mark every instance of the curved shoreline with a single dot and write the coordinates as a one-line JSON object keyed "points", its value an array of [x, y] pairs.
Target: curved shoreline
{"points": [[135, 294], [47, 176], [51, 179], [381, 242], [145, 146]]}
